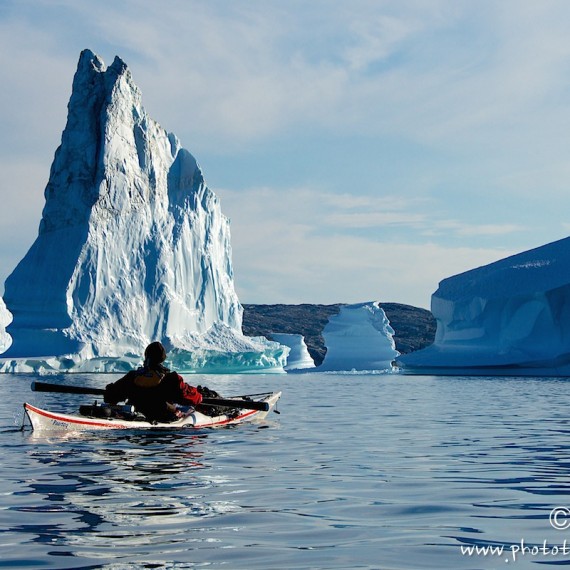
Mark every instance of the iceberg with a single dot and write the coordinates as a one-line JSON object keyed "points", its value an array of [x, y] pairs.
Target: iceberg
{"points": [[220, 351], [299, 357], [132, 245], [511, 317], [5, 319], [359, 338]]}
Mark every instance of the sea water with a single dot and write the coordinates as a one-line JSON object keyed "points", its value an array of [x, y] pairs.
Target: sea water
{"points": [[357, 471]]}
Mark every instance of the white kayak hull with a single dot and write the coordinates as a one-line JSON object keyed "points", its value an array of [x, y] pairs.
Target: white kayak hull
{"points": [[44, 420]]}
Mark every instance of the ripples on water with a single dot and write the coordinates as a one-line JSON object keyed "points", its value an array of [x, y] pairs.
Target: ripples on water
{"points": [[357, 472]]}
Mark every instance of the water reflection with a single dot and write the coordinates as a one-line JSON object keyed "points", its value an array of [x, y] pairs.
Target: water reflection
{"points": [[98, 496], [389, 473]]}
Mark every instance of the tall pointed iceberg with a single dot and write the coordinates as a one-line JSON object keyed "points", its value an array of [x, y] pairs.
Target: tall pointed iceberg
{"points": [[132, 245]]}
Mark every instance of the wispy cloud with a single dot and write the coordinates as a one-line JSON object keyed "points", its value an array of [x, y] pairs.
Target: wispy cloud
{"points": [[245, 70], [316, 209], [456, 228], [289, 253], [376, 219], [452, 115]]}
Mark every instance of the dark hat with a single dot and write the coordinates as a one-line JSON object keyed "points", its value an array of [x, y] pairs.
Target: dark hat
{"points": [[155, 353]]}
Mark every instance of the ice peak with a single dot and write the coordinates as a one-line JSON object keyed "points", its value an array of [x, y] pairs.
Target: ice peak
{"points": [[133, 245], [89, 60], [118, 66]]}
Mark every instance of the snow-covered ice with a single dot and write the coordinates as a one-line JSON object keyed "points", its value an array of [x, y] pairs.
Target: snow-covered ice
{"points": [[359, 338], [220, 350], [299, 357], [508, 317], [132, 245]]}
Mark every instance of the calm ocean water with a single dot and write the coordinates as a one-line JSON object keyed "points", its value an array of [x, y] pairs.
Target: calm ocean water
{"points": [[358, 471]]}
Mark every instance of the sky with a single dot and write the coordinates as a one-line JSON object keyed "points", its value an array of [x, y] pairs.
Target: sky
{"points": [[362, 149]]}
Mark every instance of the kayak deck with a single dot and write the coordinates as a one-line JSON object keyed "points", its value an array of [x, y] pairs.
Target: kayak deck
{"points": [[44, 420]]}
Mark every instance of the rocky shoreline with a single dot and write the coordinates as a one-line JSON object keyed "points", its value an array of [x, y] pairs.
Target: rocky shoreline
{"points": [[414, 327]]}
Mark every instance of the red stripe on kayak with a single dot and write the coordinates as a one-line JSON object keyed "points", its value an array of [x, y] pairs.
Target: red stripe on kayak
{"points": [[69, 420], [113, 425], [246, 415]]}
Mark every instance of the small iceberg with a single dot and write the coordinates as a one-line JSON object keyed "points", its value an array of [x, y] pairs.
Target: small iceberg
{"points": [[299, 357], [359, 338]]}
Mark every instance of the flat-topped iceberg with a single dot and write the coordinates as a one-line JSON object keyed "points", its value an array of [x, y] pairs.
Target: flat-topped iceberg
{"points": [[132, 247], [508, 317], [359, 338]]}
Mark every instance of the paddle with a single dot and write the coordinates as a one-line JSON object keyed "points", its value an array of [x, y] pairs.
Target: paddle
{"points": [[222, 402]]}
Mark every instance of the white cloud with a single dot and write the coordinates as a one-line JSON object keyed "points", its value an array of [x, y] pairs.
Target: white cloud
{"points": [[472, 96], [328, 269], [319, 211], [448, 227], [246, 70], [376, 219], [250, 69], [436, 73], [286, 254], [374, 40]]}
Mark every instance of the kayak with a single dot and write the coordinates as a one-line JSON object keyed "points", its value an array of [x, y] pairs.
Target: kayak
{"points": [[44, 420]]}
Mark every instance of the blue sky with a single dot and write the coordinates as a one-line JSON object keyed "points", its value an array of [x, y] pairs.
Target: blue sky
{"points": [[363, 149]]}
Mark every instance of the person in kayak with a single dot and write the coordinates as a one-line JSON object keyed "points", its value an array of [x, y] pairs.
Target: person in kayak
{"points": [[153, 390]]}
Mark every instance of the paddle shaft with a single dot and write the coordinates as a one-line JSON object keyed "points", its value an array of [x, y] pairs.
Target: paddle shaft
{"points": [[65, 389], [243, 404], [222, 402]]}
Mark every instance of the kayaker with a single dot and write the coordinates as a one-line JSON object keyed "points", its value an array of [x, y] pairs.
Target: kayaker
{"points": [[153, 390]]}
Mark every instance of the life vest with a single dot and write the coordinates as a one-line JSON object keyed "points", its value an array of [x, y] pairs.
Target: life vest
{"points": [[148, 379]]}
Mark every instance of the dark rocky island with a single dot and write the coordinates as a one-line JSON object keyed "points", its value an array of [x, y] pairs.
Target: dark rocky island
{"points": [[414, 327]]}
